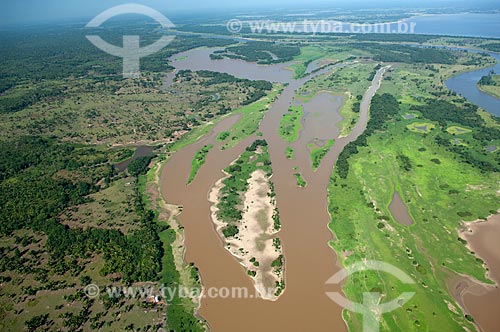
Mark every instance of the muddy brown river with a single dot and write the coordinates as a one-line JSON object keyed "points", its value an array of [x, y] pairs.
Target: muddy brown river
{"points": [[482, 301], [309, 261]]}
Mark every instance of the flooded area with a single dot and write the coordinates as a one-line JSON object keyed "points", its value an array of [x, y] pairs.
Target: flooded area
{"points": [[199, 59], [309, 261], [482, 301], [399, 210], [321, 116], [140, 151]]}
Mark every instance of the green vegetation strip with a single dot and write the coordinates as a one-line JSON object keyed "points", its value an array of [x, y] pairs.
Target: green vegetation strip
{"points": [[198, 161], [318, 153], [251, 116], [290, 153], [300, 180], [180, 311], [490, 84], [307, 55], [223, 135], [290, 124]]}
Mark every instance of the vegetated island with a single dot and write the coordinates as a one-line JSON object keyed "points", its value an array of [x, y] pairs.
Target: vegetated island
{"points": [[245, 214]]}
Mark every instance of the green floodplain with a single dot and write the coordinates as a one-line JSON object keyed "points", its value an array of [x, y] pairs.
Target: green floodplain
{"points": [[66, 120]]}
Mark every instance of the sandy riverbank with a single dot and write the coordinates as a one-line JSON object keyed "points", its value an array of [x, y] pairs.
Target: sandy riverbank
{"points": [[253, 246]]}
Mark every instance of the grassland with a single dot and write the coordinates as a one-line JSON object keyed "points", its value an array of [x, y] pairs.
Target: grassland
{"points": [[290, 124], [198, 161], [456, 130], [317, 153], [440, 191], [307, 55], [126, 112], [323, 53], [438, 197], [109, 208], [493, 89], [421, 127]]}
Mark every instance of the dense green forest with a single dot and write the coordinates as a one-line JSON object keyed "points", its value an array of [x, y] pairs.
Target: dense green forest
{"points": [[260, 52], [487, 80], [41, 177], [256, 89]]}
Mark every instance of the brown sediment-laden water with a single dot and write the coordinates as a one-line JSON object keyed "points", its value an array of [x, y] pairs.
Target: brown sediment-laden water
{"points": [[309, 261], [399, 210], [199, 59], [479, 300]]}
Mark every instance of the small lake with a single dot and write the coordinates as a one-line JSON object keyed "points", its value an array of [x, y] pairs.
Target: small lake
{"points": [[399, 210]]}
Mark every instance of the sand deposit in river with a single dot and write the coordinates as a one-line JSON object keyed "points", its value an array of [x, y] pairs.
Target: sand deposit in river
{"points": [[253, 246]]}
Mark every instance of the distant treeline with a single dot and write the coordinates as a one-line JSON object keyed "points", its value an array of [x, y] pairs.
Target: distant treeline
{"points": [[56, 53], [407, 53], [392, 37]]}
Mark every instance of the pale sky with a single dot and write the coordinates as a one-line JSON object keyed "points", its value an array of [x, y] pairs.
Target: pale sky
{"points": [[12, 11]]}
